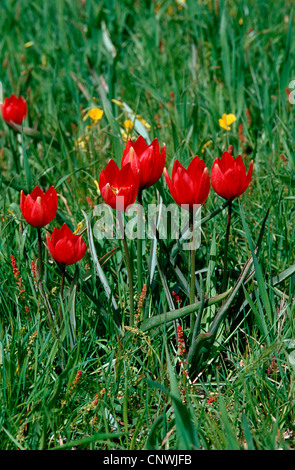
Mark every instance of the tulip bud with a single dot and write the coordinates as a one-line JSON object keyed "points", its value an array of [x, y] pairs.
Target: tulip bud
{"points": [[228, 176], [14, 109], [65, 247], [147, 159], [189, 187], [39, 208]]}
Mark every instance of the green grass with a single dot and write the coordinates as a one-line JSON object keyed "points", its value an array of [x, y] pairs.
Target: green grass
{"points": [[180, 69]]}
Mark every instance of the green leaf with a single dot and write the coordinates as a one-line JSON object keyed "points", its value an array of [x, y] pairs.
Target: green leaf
{"points": [[71, 309], [97, 265], [98, 437], [186, 433], [258, 271], [166, 317]]}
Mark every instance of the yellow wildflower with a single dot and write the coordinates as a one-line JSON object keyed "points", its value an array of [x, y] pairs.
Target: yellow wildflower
{"points": [[128, 125], [95, 114], [226, 121]]}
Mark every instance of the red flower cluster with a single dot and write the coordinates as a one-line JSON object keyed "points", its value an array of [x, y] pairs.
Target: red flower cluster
{"points": [[180, 339], [141, 166], [228, 178], [17, 276], [76, 381], [39, 208], [14, 109]]}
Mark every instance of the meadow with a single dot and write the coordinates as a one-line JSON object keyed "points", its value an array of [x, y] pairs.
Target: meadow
{"points": [[145, 345]]}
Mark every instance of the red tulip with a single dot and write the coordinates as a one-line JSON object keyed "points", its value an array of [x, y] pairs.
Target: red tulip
{"points": [[115, 183], [39, 208], [147, 159], [65, 247], [228, 176], [191, 186], [14, 109]]}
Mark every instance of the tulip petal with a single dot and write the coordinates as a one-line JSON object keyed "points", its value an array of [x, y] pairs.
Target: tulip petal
{"points": [[226, 161], [140, 145], [217, 180], [65, 247], [64, 251], [248, 177], [184, 187], [170, 185], [203, 187], [37, 192], [111, 171], [125, 157], [147, 167], [108, 195]]}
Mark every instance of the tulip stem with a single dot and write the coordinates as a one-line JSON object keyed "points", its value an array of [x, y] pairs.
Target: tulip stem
{"points": [[193, 269], [40, 252], [62, 285], [224, 277], [129, 269], [193, 260], [139, 243]]}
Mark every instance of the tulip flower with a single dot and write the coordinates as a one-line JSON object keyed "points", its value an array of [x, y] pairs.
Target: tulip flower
{"points": [[228, 176], [65, 247], [147, 159], [191, 186], [14, 109], [229, 180], [39, 208], [149, 162], [115, 183]]}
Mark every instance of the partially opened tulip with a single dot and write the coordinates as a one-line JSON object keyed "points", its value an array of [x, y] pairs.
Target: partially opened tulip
{"points": [[118, 187], [147, 159], [39, 207], [190, 186], [228, 176], [229, 180], [65, 247], [14, 109]]}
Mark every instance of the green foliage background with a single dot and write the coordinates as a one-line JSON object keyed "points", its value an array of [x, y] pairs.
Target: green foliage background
{"points": [[180, 67]]}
